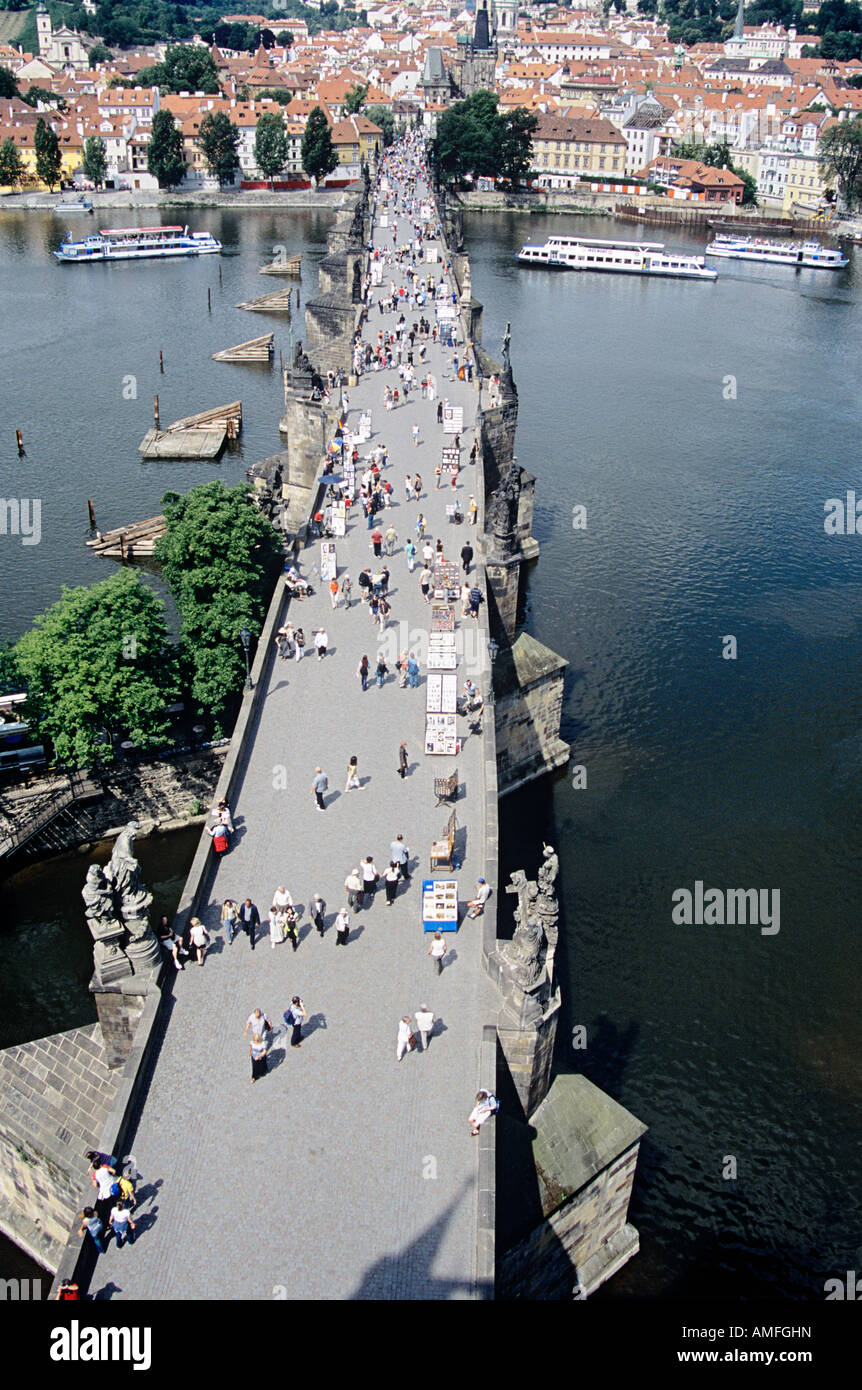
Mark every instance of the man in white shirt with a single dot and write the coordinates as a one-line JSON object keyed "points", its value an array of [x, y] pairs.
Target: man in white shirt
{"points": [[424, 1024], [258, 1023], [477, 905], [369, 878], [399, 854]]}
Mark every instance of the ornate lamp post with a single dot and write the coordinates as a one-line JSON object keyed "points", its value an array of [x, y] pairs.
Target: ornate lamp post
{"points": [[245, 638]]}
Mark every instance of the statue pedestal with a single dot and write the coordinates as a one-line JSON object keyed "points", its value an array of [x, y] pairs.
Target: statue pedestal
{"points": [[120, 1005]]}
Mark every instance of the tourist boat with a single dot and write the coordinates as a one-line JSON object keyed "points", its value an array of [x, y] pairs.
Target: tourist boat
{"points": [[73, 205], [808, 254], [137, 243], [622, 257]]}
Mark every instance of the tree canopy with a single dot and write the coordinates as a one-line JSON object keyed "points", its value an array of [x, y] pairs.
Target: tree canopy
{"points": [[49, 159], [270, 144], [94, 160], [840, 158], [186, 68], [474, 138], [165, 158], [318, 156], [99, 661], [355, 98], [11, 163], [382, 116], [219, 141], [219, 556]]}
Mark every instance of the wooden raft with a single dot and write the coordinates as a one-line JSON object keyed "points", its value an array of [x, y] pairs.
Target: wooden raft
{"points": [[255, 350], [276, 303], [201, 436], [129, 542], [291, 266]]}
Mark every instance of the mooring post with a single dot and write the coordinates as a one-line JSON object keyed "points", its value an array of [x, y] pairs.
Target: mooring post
{"points": [[156, 411], [161, 363], [209, 299], [219, 269], [20, 438], [91, 510], [123, 546]]}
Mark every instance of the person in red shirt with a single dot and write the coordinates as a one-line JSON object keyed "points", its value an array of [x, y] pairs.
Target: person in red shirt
{"points": [[377, 542]]}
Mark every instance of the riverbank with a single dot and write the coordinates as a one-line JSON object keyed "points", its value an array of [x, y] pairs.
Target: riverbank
{"points": [[326, 200]]}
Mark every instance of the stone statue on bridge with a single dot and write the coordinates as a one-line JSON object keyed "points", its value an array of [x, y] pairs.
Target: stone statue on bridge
{"points": [[501, 512], [109, 959], [117, 906]]}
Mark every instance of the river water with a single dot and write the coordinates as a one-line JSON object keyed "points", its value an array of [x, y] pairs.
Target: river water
{"points": [[703, 426]]}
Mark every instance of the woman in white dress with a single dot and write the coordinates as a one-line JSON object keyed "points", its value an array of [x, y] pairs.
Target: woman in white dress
{"points": [[277, 920]]}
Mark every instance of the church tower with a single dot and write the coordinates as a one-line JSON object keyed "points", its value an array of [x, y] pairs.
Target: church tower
{"points": [[44, 30], [476, 64]]}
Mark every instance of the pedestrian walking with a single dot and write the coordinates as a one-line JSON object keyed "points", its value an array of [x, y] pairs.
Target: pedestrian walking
{"points": [[291, 920], [425, 584], [370, 877], [121, 1224], [321, 642], [390, 883], [438, 477], [402, 760], [420, 526], [381, 670], [353, 888], [466, 557], [399, 854], [408, 488], [200, 937], [299, 643], [486, 1105], [390, 539], [296, 1016], [415, 432], [92, 1224], [220, 838], [249, 918], [346, 590], [362, 672], [476, 597], [417, 487], [428, 554], [476, 905], [376, 542], [105, 1181], [410, 552], [401, 668], [424, 1024], [320, 784], [413, 672], [352, 775], [437, 951], [465, 599], [406, 1040], [439, 412], [230, 919], [333, 592], [259, 1024], [473, 510], [277, 921], [317, 913], [257, 1053], [342, 928]]}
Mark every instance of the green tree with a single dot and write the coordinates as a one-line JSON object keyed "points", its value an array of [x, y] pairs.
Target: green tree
{"points": [[840, 157], [220, 557], [219, 141], [165, 160], [279, 94], [99, 659], [95, 159], [382, 116], [8, 85], [11, 164], [468, 138], [355, 98], [270, 144], [186, 68], [515, 146], [49, 160], [318, 156], [99, 54]]}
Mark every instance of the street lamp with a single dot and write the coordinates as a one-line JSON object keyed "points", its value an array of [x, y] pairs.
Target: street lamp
{"points": [[245, 638], [493, 648]]}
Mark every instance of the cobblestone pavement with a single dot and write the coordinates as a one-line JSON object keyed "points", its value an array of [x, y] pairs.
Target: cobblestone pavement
{"points": [[341, 1174]]}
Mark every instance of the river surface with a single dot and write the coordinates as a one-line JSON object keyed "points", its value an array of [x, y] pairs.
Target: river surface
{"points": [[702, 426]]}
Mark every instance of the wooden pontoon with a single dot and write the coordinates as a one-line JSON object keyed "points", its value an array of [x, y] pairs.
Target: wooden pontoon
{"points": [[201, 436], [291, 266], [255, 350]]}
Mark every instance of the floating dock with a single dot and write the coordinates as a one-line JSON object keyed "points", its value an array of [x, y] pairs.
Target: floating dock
{"points": [[276, 303], [201, 436], [255, 350]]}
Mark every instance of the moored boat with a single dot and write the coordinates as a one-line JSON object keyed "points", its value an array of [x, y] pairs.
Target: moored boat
{"points": [[137, 243], [621, 257], [810, 255], [73, 205]]}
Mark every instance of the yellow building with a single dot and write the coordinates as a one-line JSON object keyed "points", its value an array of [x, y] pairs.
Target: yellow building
{"points": [[565, 148], [805, 184], [23, 137], [355, 139]]}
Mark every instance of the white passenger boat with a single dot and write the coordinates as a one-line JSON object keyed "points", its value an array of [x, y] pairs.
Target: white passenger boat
{"points": [[137, 243], [621, 257], [808, 254]]}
